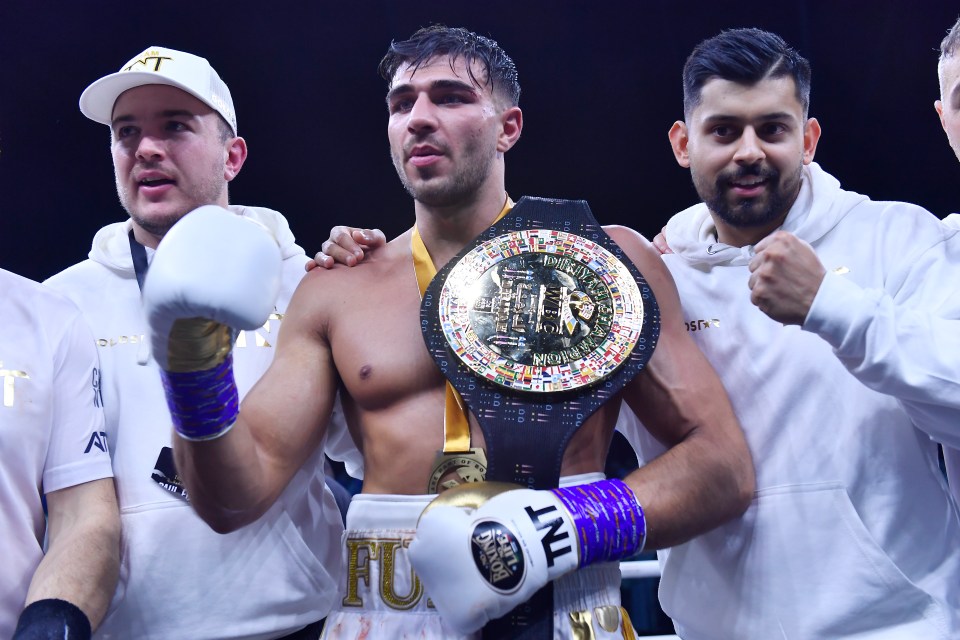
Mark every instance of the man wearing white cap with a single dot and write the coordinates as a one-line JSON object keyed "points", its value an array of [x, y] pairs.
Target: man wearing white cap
{"points": [[175, 148]]}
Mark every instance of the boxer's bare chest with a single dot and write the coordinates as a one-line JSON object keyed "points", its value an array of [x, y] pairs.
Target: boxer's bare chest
{"points": [[395, 393], [376, 341]]}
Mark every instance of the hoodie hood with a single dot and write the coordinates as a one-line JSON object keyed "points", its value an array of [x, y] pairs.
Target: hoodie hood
{"points": [[111, 246], [820, 205]]}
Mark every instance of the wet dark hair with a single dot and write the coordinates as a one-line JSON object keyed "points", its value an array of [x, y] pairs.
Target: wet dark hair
{"points": [[744, 56], [437, 41]]}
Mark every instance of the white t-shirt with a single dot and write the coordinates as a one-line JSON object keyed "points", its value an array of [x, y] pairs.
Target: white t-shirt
{"points": [[51, 424]]}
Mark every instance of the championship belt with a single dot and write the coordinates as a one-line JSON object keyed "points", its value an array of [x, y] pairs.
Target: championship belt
{"points": [[457, 467], [537, 323]]}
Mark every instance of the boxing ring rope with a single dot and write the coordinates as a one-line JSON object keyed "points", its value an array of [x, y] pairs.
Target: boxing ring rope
{"points": [[636, 569], [639, 569]]}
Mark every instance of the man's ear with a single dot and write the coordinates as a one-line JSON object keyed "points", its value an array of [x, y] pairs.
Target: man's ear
{"points": [[511, 124], [678, 141], [811, 136], [938, 105], [236, 152]]}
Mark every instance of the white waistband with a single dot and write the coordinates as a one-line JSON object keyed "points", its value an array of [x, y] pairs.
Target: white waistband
{"points": [[400, 512]]}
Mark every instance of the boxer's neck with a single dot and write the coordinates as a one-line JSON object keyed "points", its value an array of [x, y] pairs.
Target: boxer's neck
{"points": [[447, 229]]}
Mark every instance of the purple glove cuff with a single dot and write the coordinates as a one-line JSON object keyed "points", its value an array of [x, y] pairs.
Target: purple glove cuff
{"points": [[608, 519], [203, 404]]}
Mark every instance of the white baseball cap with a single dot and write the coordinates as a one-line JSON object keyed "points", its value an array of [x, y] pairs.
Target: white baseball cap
{"points": [[159, 65]]}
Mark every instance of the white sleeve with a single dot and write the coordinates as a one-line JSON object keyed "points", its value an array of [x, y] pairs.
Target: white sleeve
{"points": [[902, 340], [78, 450]]}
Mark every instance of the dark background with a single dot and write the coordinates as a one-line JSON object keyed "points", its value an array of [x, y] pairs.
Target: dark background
{"points": [[601, 87]]}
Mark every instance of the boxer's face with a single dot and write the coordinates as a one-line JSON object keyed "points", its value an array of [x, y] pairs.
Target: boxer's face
{"points": [[170, 156], [745, 147], [948, 107], [443, 130]]}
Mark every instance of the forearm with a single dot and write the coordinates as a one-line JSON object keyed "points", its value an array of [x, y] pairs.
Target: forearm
{"points": [[696, 485], [234, 478], [223, 478], [216, 455], [705, 476], [902, 350], [235, 463], [82, 562]]}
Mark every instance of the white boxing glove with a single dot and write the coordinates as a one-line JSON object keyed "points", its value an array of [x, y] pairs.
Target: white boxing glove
{"points": [[212, 264], [213, 273], [482, 549]]}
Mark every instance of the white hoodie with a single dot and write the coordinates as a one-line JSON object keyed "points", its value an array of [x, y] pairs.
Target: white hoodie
{"points": [[852, 531], [951, 455], [180, 579]]}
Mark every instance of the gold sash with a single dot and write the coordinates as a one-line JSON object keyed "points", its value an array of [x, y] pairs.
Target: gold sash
{"points": [[469, 463]]}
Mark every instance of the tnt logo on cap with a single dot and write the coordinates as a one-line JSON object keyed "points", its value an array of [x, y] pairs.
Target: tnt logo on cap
{"points": [[159, 65], [149, 60]]}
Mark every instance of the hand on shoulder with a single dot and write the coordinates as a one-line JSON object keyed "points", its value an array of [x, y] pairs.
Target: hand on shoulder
{"points": [[346, 246]]}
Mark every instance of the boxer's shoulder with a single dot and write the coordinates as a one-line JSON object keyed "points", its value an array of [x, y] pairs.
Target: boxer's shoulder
{"points": [[377, 262], [382, 285]]}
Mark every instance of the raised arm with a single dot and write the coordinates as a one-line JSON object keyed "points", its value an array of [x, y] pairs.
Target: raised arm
{"points": [[214, 273], [82, 561], [706, 475], [900, 336], [235, 478]]}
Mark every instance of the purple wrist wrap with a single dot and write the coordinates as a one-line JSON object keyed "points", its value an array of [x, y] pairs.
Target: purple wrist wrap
{"points": [[609, 520], [203, 404]]}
